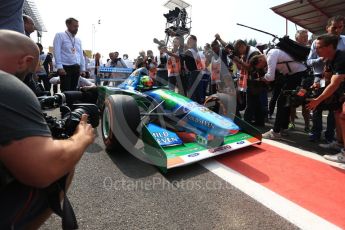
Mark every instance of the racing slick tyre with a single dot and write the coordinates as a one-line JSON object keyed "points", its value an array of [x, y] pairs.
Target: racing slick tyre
{"points": [[120, 119], [223, 104]]}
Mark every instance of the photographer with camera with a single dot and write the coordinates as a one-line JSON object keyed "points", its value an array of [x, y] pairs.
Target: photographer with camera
{"points": [[174, 66], [221, 79], [335, 26], [326, 47], [115, 61], [280, 67], [301, 37], [31, 161], [150, 64], [193, 67], [249, 84]]}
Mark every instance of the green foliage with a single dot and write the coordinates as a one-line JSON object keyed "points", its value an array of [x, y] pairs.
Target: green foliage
{"points": [[252, 42]]}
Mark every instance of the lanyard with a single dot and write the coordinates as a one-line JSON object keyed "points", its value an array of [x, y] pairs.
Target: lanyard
{"points": [[70, 38]]}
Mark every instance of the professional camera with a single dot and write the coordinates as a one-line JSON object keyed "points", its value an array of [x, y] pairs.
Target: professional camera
{"points": [[70, 113], [297, 96], [301, 96]]}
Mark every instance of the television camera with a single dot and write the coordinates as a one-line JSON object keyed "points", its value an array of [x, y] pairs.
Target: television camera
{"points": [[178, 23], [70, 112]]}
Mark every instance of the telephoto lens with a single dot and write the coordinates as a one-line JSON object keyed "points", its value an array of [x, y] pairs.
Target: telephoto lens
{"points": [[49, 102], [72, 118]]}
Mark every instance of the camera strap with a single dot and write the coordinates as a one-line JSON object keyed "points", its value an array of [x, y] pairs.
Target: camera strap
{"points": [[66, 213]]}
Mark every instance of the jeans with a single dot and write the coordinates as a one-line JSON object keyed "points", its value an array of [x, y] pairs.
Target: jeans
{"points": [[317, 125]]}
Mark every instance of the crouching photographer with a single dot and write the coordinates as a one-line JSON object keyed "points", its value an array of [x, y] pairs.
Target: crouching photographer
{"points": [[326, 47], [35, 169], [292, 73]]}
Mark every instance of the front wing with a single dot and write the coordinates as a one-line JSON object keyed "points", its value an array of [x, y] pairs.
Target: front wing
{"points": [[175, 156]]}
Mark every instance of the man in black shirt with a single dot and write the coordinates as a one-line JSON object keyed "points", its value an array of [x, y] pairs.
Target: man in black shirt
{"points": [[193, 66], [30, 160], [326, 47]]}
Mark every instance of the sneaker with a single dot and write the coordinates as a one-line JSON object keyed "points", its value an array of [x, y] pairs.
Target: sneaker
{"points": [[271, 135], [291, 126], [340, 158], [332, 145]]}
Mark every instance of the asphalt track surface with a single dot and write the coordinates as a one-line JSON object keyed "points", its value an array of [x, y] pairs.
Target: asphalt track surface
{"points": [[117, 191]]}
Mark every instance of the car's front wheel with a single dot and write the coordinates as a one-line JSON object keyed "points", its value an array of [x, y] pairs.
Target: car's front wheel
{"points": [[120, 119]]}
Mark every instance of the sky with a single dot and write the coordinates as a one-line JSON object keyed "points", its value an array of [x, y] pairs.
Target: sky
{"points": [[129, 26]]}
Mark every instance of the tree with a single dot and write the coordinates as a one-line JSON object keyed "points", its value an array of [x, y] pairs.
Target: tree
{"points": [[252, 42]]}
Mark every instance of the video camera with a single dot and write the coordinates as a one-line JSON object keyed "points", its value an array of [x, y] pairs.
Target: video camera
{"points": [[70, 113]]}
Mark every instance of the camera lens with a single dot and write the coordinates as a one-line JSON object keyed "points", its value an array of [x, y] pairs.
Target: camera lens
{"points": [[73, 118]]}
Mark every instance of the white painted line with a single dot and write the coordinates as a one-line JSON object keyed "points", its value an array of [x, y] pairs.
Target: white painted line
{"points": [[303, 153], [292, 212]]}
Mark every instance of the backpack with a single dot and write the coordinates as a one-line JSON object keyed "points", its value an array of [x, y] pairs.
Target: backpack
{"points": [[297, 51]]}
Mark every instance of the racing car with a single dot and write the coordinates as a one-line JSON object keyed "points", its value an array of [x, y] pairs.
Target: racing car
{"points": [[166, 129]]}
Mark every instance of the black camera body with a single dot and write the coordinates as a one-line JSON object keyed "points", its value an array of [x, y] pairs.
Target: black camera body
{"points": [[298, 96], [71, 113], [295, 98], [149, 60]]}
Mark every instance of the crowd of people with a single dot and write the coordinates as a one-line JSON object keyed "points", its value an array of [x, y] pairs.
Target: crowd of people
{"points": [[249, 74], [259, 78]]}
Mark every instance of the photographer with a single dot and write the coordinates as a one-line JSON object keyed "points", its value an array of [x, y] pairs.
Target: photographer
{"points": [[326, 47], [193, 64], [174, 66], [252, 88], [30, 160], [150, 64], [291, 71], [220, 77], [162, 61], [117, 62]]}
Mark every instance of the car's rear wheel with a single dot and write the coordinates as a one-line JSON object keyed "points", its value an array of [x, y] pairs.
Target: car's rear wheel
{"points": [[120, 119]]}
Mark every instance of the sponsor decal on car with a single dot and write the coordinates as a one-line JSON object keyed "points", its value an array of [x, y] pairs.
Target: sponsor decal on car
{"points": [[220, 148], [164, 137], [193, 155], [200, 121], [240, 142]]}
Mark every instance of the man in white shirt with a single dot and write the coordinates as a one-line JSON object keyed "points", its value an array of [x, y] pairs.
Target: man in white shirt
{"points": [[68, 53], [291, 74], [127, 61], [94, 65]]}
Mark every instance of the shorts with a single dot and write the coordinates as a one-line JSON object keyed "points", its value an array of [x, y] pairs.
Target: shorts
{"points": [[20, 205]]}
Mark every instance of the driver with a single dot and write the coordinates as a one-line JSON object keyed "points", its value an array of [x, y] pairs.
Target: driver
{"points": [[145, 82]]}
